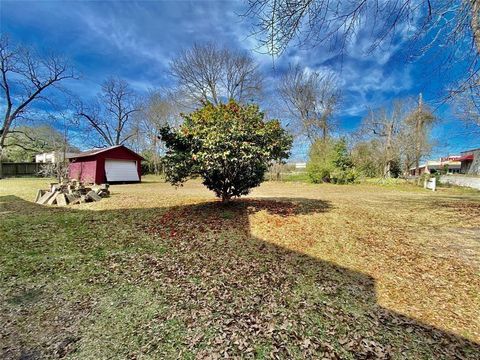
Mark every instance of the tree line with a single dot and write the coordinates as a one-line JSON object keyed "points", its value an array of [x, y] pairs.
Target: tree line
{"points": [[388, 142]]}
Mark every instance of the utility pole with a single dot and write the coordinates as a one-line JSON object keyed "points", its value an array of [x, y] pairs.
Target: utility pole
{"points": [[418, 128]]}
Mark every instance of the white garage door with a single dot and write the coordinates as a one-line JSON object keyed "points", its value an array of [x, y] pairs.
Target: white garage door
{"points": [[121, 170]]}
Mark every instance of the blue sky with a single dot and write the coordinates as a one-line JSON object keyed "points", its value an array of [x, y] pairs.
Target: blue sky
{"points": [[136, 41]]}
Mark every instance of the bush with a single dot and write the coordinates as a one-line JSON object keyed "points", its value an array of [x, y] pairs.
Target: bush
{"points": [[319, 172], [330, 162], [426, 176], [320, 164], [366, 157], [54, 170], [343, 176]]}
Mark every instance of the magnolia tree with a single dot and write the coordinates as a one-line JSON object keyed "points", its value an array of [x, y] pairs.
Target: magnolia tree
{"points": [[229, 146]]}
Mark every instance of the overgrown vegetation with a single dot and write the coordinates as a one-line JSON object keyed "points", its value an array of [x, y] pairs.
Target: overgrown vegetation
{"points": [[330, 162]]}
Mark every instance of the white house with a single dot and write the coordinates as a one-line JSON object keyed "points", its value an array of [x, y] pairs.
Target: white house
{"points": [[52, 157]]}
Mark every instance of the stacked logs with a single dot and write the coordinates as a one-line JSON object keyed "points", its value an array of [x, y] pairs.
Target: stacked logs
{"points": [[70, 193]]}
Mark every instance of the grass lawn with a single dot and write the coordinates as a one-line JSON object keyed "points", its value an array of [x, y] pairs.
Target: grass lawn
{"points": [[293, 271]]}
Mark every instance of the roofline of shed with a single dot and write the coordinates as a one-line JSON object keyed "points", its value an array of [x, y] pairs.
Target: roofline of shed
{"points": [[99, 151]]}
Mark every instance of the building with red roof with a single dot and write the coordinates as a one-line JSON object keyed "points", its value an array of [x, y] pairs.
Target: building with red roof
{"points": [[106, 165]]}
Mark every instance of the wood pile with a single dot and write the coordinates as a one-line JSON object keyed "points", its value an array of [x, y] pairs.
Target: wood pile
{"points": [[70, 193]]}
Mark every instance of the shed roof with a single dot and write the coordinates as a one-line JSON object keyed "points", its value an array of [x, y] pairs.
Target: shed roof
{"points": [[93, 152], [466, 158]]}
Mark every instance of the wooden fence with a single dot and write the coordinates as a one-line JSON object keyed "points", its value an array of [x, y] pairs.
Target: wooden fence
{"points": [[21, 169]]}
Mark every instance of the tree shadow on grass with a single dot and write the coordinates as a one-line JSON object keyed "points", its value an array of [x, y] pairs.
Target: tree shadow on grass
{"points": [[235, 294]]}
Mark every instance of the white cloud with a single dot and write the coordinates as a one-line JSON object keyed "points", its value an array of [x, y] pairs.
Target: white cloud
{"points": [[137, 40], [124, 36]]}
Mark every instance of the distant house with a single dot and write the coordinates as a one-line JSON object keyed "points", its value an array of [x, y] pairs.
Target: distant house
{"points": [[449, 165], [51, 157], [300, 166], [107, 165], [470, 161]]}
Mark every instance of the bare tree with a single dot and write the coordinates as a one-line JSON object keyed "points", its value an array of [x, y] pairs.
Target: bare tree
{"points": [[385, 126], [467, 106], [417, 125], [160, 108], [311, 98], [475, 21], [402, 134], [319, 21], [210, 73], [451, 28], [25, 79], [110, 115], [368, 158]]}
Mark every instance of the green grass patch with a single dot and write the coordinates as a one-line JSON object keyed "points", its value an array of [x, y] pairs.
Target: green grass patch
{"points": [[296, 177]]}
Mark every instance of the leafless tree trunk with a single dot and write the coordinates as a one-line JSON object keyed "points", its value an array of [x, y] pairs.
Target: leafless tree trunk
{"points": [[110, 116], [416, 130], [24, 80], [207, 73], [311, 98], [389, 147], [475, 22]]}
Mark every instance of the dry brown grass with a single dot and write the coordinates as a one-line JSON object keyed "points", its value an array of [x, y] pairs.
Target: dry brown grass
{"points": [[389, 264], [422, 248]]}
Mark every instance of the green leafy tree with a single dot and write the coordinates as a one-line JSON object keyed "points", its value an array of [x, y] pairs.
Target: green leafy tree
{"points": [[229, 146], [24, 142], [320, 163], [330, 162], [341, 157]]}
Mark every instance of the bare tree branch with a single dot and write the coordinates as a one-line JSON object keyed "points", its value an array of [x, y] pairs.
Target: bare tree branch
{"points": [[446, 30], [29, 76], [311, 98], [207, 73], [111, 114]]}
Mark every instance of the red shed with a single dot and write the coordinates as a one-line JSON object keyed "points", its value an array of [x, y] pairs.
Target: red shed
{"points": [[113, 164]]}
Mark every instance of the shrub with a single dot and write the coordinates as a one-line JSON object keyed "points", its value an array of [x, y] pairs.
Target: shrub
{"points": [[330, 162], [343, 176], [319, 172], [366, 157], [320, 163]]}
